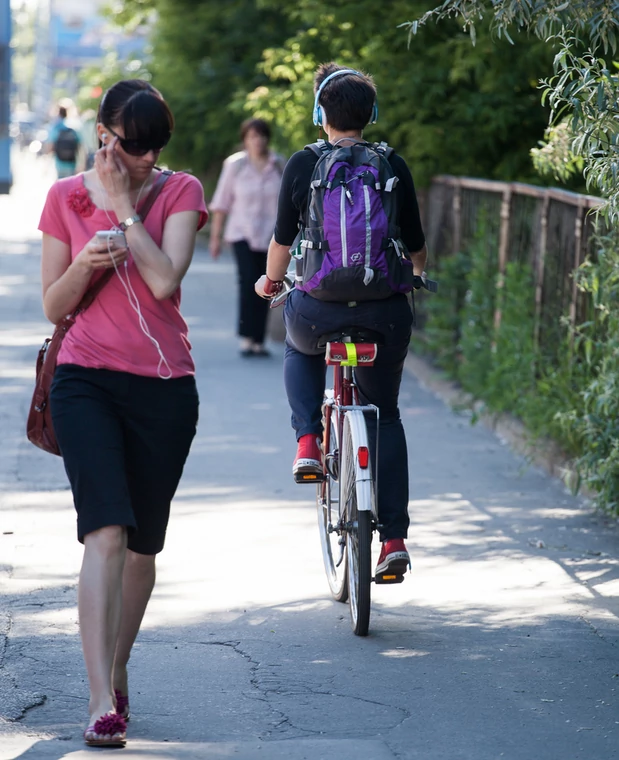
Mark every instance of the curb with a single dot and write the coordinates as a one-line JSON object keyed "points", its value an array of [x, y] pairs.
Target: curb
{"points": [[543, 452]]}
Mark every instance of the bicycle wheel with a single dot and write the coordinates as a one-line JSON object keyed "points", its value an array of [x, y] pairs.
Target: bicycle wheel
{"points": [[356, 497], [333, 542]]}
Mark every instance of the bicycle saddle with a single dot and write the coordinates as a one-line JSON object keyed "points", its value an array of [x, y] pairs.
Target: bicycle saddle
{"points": [[351, 335]]}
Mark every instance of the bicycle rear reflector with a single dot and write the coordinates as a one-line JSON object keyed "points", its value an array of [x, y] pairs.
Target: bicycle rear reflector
{"points": [[363, 457]]}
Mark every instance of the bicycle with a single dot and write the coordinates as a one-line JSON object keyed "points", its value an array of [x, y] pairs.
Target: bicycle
{"points": [[346, 492]]}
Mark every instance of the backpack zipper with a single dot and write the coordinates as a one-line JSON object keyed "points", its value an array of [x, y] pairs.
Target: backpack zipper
{"points": [[343, 229], [344, 184], [368, 228]]}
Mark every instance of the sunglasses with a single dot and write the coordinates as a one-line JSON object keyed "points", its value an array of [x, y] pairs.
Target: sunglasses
{"points": [[139, 147]]}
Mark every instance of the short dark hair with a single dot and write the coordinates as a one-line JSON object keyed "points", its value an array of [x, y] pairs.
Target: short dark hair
{"points": [[258, 125], [348, 99], [139, 108], [62, 112]]}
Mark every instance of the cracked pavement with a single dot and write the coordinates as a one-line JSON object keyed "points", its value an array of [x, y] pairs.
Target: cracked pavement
{"points": [[503, 643]]}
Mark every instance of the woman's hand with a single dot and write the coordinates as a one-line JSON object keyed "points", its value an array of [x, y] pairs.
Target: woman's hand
{"points": [[96, 255], [112, 172], [215, 247]]}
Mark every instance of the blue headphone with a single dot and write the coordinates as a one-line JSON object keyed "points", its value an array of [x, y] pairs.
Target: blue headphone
{"points": [[319, 114]]}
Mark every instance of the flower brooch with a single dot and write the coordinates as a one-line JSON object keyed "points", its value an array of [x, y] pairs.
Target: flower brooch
{"points": [[79, 201]]}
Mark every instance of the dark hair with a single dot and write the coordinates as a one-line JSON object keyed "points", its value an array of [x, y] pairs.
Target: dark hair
{"points": [[62, 112], [258, 125], [137, 107], [347, 100]]}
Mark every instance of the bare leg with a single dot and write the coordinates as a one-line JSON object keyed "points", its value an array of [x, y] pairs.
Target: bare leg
{"points": [[99, 606], [138, 583]]}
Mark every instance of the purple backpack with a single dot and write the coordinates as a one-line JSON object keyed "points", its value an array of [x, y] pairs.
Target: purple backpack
{"points": [[350, 249]]}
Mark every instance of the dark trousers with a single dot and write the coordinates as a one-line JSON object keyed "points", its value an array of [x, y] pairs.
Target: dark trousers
{"points": [[253, 310], [124, 439], [307, 319]]}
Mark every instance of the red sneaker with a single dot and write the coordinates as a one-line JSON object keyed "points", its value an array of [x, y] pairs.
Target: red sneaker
{"points": [[307, 467], [394, 560]]}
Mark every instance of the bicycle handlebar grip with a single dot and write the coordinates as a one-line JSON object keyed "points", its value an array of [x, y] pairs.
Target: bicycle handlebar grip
{"points": [[423, 282]]}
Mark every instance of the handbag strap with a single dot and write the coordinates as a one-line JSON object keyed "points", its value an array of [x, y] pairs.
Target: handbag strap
{"points": [[92, 292]]}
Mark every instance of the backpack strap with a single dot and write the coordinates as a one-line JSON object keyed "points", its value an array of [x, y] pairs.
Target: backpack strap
{"points": [[320, 147], [388, 182], [384, 149]]}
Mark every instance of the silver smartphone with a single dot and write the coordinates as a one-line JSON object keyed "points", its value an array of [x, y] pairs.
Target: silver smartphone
{"points": [[113, 238]]}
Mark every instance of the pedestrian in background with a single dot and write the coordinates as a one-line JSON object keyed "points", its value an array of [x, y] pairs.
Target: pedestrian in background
{"points": [[247, 193], [64, 142], [124, 400]]}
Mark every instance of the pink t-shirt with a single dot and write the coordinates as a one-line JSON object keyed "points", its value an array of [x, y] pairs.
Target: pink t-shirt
{"points": [[108, 335]]}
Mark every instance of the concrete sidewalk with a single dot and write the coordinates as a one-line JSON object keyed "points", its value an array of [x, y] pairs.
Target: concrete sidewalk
{"points": [[501, 644]]}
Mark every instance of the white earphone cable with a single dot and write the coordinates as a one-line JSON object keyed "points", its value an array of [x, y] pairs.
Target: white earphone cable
{"points": [[135, 305], [131, 295]]}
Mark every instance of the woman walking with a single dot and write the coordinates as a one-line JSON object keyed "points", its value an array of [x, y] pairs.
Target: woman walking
{"points": [[124, 399], [247, 193]]}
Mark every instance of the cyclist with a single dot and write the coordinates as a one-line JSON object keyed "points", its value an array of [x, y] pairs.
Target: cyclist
{"points": [[344, 105]]}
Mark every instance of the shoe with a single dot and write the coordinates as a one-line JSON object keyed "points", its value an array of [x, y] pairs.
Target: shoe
{"points": [[109, 730], [246, 353], [122, 705], [307, 467], [262, 351], [393, 562]]}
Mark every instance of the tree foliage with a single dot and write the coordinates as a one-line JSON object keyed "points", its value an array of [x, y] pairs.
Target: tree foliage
{"points": [[204, 59], [585, 85], [554, 157], [446, 106]]}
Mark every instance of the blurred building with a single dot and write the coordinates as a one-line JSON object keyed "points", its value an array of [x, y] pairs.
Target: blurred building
{"points": [[72, 35], [5, 95]]}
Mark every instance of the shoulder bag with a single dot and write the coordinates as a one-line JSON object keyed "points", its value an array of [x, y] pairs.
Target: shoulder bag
{"points": [[39, 427]]}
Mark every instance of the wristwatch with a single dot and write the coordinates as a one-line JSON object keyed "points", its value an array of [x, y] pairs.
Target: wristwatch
{"points": [[130, 222]]}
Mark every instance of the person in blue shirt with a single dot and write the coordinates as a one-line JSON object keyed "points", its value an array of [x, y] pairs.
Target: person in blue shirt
{"points": [[64, 143]]}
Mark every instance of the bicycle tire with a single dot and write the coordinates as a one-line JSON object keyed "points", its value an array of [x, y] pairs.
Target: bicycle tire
{"points": [[356, 487], [328, 507]]}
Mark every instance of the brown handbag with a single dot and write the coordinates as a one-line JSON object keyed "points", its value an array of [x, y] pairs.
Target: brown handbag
{"points": [[39, 427]]}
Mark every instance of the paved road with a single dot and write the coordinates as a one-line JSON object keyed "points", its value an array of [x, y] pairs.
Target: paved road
{"points": [[503, 643]]}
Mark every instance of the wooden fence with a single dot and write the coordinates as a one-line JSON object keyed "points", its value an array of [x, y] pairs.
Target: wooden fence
{"points": [[548, 228]]}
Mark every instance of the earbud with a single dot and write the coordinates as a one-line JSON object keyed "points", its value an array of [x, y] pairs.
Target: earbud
{"points": [[103, 135]]}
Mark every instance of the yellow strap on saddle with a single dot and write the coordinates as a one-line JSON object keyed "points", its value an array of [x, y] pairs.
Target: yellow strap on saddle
{"points": [[351, 353]]}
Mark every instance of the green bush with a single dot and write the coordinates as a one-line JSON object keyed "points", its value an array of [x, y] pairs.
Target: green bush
{"points": [[442, 332], [477, 316], [574, 397], [594, 423], [510, 376]]}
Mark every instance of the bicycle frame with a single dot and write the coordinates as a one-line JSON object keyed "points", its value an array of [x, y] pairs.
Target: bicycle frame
{"points": [[346, 398]]}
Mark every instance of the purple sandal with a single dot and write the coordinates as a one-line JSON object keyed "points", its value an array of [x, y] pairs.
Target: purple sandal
{"points": [[112, 725], [122, 705]]}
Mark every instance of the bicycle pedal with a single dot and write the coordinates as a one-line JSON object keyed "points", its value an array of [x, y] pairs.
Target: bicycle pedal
{"points": [[308, 477], [383, 580]]}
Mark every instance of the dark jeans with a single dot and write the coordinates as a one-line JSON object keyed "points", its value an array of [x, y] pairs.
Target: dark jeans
{"points": [[253, 310], [307, 319]]}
